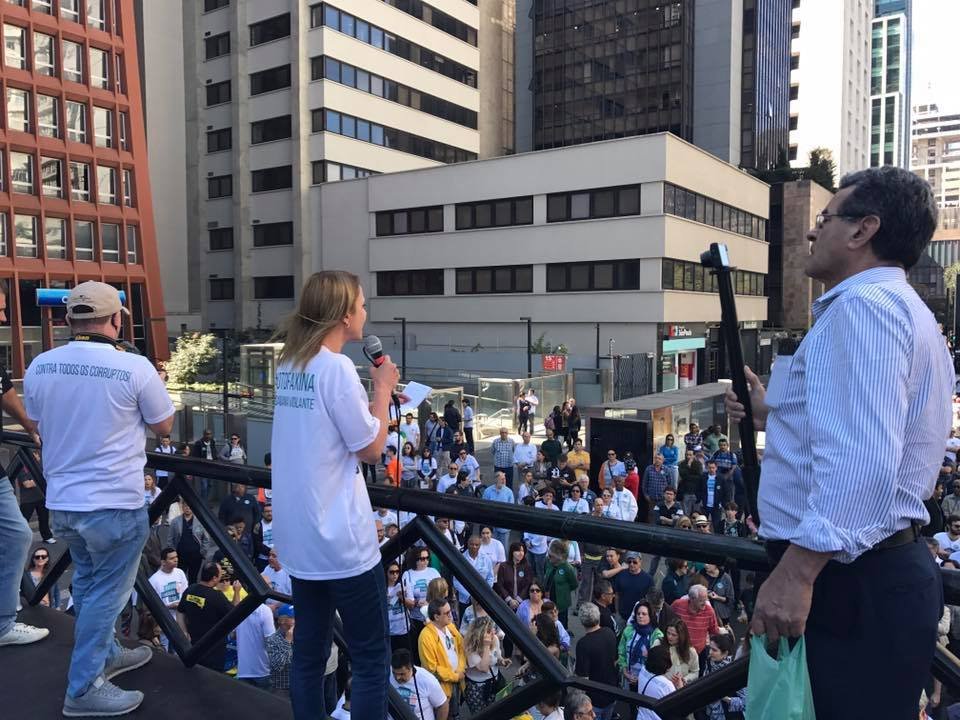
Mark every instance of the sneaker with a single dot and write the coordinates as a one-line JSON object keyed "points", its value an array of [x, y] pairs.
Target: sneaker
{"points": [[102, 699], [21, 634], [51, 541], [128, 659]]}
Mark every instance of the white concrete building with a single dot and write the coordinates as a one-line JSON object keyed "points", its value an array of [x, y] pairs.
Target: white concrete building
{"points": [[605, 232], [830, 83], [935, 154]]}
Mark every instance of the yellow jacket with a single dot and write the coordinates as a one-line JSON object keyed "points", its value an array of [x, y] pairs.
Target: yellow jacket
{"points": [[433, 656]]}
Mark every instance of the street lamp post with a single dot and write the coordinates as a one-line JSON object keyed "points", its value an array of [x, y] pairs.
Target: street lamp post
{"points": [[403, 346], [222, 334], [529, 345]]}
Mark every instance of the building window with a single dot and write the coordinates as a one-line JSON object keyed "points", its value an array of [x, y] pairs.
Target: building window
{"points": [[275, 178], [128, 189], [3, 235], [270, 29], [102, 127], [80, 181], [692, 277], [270, 79], [406, 222], [495, 213], [124, 130], [83, 240], [96, 14], [218, 140], [599, 203], [221, 289], [278, 128], [15, 44], [55, 237], [51, 177], [699, 208], [25, 235], [218, 93], [217, 46], [18, 109], [211, 5], [21, 173], [440, 20], [221, 239], [76, 122], [110, 242], [106, 185], [118, 72], [70, 10], [48, 116], [44, 54], [326, 171], [507, 279], [133, 245], [72, 61], [220, 186], [268, 234], [274, 287], [99, 68], [601, 275], [410, 282]]}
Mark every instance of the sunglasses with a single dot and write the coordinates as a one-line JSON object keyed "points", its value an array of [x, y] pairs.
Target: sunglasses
{"points": [[41, 557], [535, 590], [393, 572], [425, 558]]}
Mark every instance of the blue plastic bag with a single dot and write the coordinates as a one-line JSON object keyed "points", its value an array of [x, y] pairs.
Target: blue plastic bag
{"points": [[779, 689]]}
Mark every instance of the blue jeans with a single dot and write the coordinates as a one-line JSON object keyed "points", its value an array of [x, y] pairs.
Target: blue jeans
{"points": [[15, 540], [605, 713], [362, 604], [503, 535], [105, 546]]}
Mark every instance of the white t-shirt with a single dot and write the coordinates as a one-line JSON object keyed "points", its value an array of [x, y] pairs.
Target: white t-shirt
{"points": [[415, 588], [324, 520], [386, 519], [653, 687], [946, 544], [168, 450], [279, 579], [252, 634], [398, 624], [412, 434], [494, 551], [431, 695], [449, 644], [169, 586], [953, 445], [445, 482], [92, 404]]}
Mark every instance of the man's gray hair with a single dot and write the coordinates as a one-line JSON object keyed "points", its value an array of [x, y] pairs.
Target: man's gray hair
{"points": [[696, 591], [589, 615], [575, 703]]}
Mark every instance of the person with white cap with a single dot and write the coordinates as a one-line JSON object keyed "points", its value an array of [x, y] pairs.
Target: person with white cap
{"points": [[93, 400]]}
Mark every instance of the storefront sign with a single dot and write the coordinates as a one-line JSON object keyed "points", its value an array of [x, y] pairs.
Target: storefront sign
{"points": [[679, 331], [555, 363]]}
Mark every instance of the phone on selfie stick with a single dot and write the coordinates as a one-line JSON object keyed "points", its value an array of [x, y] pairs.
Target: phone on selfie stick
{"points": [[718, 261]]}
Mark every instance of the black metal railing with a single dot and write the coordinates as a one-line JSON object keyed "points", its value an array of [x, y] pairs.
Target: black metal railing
{"points": [[742, 553]]}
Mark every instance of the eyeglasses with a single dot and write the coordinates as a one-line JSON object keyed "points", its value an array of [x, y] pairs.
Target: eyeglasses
{"points": [[824, 216], [41, 557], [425, 558], [633, 562]]}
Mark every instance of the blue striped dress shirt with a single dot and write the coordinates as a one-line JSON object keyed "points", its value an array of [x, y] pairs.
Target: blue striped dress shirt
{"points": [[858, 419]]}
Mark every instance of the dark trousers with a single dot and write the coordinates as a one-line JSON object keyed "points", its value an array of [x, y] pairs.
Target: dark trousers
{"points": [[468, 437], [43, 516], [883, 609], [361, 602]]}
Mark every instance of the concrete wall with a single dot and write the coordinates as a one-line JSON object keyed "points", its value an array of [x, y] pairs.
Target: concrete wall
{"points": [[717, 73]]}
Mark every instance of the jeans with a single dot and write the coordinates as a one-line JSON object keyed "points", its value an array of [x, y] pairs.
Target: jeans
{"points": [[43, 516], [468, 438], [539, 562], [362, 604], [330, 692], [15, 540], [605, 713], [105, 546], [503, 535]]}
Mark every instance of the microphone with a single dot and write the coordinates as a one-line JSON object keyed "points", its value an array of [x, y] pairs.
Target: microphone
{"points": [[373, 350]]}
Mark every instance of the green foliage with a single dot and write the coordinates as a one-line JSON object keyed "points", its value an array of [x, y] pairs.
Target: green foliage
{"points": [[193, 359], [822, 169], [541, 346], [950, 275]]}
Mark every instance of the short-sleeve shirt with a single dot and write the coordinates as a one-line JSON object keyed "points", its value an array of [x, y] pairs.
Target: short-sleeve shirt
{"points": [[422, 690], [323, 519], [946, 544], [252, 634], [93, 443], [169, 586], [631, 589], [202, 608]]}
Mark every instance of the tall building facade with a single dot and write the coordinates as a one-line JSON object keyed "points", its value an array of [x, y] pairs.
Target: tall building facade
{"points": [[890, 77], [935, 152], [830, 81], [282, 95], [75, 191]]}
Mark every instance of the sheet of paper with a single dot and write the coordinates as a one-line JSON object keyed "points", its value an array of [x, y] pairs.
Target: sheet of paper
{"points": [[416, 394]]}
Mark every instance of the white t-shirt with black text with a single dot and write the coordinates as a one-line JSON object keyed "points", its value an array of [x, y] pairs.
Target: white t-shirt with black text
{"points": [[92, 404], [431, 695]]}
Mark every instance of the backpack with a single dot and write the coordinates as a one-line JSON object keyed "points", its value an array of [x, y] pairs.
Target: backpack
{"points": [[548, 423]]}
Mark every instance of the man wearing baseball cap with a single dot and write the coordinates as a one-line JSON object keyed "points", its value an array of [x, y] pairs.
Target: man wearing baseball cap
{"points": [[93, 401]]}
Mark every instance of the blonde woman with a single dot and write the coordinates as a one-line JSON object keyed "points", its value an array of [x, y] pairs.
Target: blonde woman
{"points": [[323, 517], [484, 660]]}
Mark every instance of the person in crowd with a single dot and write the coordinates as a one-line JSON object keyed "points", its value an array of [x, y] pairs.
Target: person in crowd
{"points": [[408, 466], [653, 679], [396, 609], [280, 651], [693, 440], [442, 653], [538, 545], [562, 477], [500, 492], [150, 490], [721, 593], [697, 615], [233, 452], [439, 589], [660, 612], [430, 427], [532, 604], [206, 447], [524, 454], [527, 492], [418, 688], [426, 470], [591, 557], [169, 582], [579, 461], [445, 442], [253, 664], [192, 542], [611, 468], [714, 493], [596, 654], [608, 508], [492, 548], [484, 660], [574, 501], [165, 447], [468, 424], [452, 416], [725, 459], [277, 577], [574, 423], [239, 504], [624, 500], [450, 479], [551, 448], [656, 478], [711, 440], [453, 533], [674, 583], [605, 599], [201, 607], [951, 503], [684, 661], [720, 654], [559, 578], [671, 458], [468, 463], [550, 610], [550, 707], [631, 583], [148, 632], [932, 505], [410, 430], [523, 413], [732, 525], [262, 536], [37, 570], [31, 501], [635, 641], [481, 563], [541, 470], [502, 450], [949, 540], [689, 471], [416, 579], [463, 486], [514, 576]]}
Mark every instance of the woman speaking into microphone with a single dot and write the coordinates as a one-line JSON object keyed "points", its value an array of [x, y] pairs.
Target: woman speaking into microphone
{"points": [[324, 531]]}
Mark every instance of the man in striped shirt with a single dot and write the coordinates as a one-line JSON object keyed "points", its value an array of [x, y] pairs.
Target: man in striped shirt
{"points": [[856, 423]]}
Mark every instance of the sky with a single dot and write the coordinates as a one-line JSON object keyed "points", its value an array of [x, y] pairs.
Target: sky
{"points": [[935, 76]]}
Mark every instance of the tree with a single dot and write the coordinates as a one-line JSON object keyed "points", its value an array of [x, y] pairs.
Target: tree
{"points": [[541, 346], [950, 275], [822, 169], [192, 358]]}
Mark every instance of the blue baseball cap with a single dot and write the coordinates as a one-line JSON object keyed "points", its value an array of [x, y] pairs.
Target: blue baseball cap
{"points": [[285, 611]]}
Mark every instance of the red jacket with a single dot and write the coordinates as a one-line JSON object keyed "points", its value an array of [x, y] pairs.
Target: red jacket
{"points": [[632, 483]]}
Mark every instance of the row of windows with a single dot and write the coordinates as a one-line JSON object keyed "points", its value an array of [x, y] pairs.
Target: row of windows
{"points": [[210, 5], [510, 279], [49, 118], [438, 19], [693, 277], [218, 93], [270, 29], [53, 179], [331, 17], [694, 206], [264, 180], [410, 282], [326, 171], [330, 69], [277, 128], [606, 275], [408, 222], [73, 9], [269, 80], [350, 126], [599, 203], [50, 235], [216, 46], [495, 213], [271, 287], [264, 235], [39, 54]]}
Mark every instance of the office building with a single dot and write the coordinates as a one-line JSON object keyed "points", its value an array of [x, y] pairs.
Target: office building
{"points": [[609, 232], [890, 77], [935, 152], [830, 82], [75, 191]]}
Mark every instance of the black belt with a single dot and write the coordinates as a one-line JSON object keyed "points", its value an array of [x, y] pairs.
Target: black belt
{"points": [[776, 548]]}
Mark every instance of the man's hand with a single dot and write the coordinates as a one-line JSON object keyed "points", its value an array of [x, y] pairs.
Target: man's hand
{"points": [[758, 394], [783, 603]]}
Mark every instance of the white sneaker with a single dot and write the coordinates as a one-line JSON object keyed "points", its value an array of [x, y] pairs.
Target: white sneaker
{"points": [[128, 659], [21, 634], [102, 699]]}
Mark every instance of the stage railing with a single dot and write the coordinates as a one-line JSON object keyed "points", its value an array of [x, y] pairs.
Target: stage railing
{"points": [[737, 552]]}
